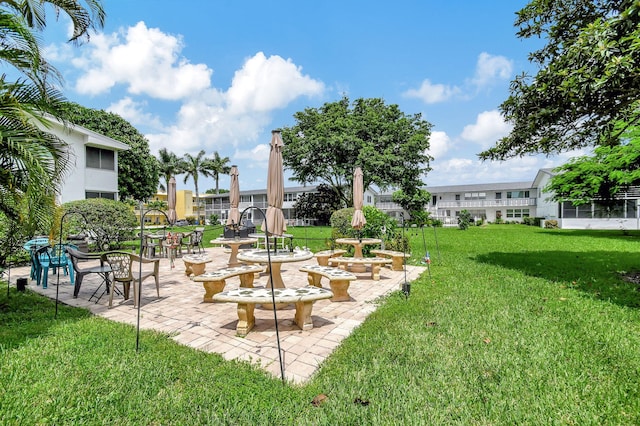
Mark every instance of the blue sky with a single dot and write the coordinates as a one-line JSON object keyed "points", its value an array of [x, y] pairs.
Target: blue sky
{"points": [[220, 75]]}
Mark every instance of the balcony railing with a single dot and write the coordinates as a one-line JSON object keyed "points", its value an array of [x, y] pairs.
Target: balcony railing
{"points": [[509, 202]]}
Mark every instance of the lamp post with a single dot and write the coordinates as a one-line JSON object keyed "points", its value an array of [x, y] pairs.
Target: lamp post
{"points": [[406, 286]]}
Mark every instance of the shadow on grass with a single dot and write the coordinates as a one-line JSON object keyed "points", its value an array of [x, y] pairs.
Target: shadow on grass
{"points": [[25, 315], [616, 234], [597, 273]]}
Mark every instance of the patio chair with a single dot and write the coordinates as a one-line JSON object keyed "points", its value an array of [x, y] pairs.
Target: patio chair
{"points": [[59, 259], [125, 271], [31, 246], [102, 270], [150, 247], [195, 241]]}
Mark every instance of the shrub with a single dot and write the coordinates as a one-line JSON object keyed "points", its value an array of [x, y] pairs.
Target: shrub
{"points": [[464, 220], [551, 224], [107, 222], [377, 221]]}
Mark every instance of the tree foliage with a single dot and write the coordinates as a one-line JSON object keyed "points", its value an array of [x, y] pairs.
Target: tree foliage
{"points": [[90, 217], [33, 162], [327, 143], [413, 202], [588, 78], [169, 165], [193, 167], [218, 166], [318, 205], [137, 168], [602, 176]]}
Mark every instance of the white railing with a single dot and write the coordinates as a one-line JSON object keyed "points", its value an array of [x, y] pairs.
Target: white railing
{"points": [[509, 202]]}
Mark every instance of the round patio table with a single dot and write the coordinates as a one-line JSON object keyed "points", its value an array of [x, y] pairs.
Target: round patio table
{"points": [[357, 244], [235, 244], [277, 259]]}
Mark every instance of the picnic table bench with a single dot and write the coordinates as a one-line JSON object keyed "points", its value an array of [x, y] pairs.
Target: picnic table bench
{"points": [[339, 280], [247, 298], [374, 262], [397, 257], [194, 264], [323, 256], [214, 282]]}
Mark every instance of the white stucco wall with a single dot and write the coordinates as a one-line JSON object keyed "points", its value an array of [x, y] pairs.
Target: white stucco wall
{"points": [[79, 178]]}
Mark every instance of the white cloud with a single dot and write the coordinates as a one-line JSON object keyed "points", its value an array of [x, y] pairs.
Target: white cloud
{"points": [[439, 144], [490, 68], [488, 128], [133, 112], [259, 156], [146, 60], [432, 93], [264, 84]]}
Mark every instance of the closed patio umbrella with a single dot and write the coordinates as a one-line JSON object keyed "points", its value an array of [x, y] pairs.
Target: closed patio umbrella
{"points": [[171, 201], [275, 223], [234, 197], [358, 221]]}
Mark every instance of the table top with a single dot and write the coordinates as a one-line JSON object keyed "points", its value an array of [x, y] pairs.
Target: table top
{"points": [[261, 235], [231, 240], [358, 241], [281, 256]]}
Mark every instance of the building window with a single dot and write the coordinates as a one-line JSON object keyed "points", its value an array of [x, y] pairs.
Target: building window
{"points": [[517, 194], [289, 196], [368, 199], [457, 197], [517, 213], [98, 158], [245, 198], [475, 195], [96, 194], [498, 195]]}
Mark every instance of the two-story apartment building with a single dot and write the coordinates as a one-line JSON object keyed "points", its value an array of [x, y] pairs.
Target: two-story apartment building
{"points": [[95, 158], [508, 201], [218, 204]]}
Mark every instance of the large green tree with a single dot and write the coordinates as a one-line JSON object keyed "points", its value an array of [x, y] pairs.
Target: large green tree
{"points": [[327, 143], [33, 162], [588, 78], [602, 176], [169, 165], [194, 166], [318, 205], [137, 168], [217, 166]]}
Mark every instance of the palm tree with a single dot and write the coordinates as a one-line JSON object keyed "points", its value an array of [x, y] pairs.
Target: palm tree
{"points": [[193, 168], [33, 161], [219, 166], [169, 165]]}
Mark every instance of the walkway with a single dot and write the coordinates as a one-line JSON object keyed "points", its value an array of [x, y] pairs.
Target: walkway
{"points": [[210, 327]]}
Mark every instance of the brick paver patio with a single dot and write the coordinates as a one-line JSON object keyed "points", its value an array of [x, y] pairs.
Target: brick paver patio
{"points": [[211, 327]]}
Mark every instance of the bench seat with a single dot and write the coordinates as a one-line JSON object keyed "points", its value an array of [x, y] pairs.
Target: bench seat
{"points": [[323, 256], [374, 262], [338, 280], [397, 257], [214, 282], [194, 264], [247, 298]]}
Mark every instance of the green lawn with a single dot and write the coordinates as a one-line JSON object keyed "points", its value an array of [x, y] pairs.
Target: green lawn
{"points": [[515, 325]]}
